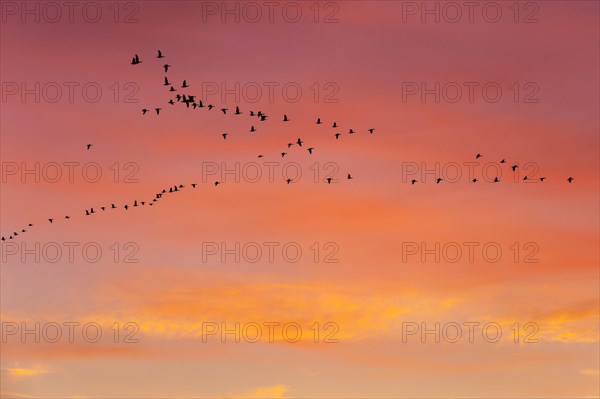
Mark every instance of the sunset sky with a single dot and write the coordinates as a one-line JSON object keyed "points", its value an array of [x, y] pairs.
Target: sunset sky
{"points": [[368, 271]]}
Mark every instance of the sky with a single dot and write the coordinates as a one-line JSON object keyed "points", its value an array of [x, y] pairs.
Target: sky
{"points": [[370, 287]]}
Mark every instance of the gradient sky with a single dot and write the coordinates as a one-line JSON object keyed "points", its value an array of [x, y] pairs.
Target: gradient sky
{"points": [[367, 57]]}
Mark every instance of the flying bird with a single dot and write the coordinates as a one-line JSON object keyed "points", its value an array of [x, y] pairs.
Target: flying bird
{"points": [[224, 136], [166, 66], [310, 150], [160, 55], [224, 110], [371, 131], [413, 181], [477, 156], [514, 167], [89, 146], [166, 82], [184, 85], [438, 180], [318, 121], [237, 110], [350, 176], [144, 111], [570, 179], [335, 124], [337, 136], [285, 118], [299, 142], [157, 110], [135, 60]]}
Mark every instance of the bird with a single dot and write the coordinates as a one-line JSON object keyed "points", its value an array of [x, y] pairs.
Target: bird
{"points": [[289, 180], [224, 110], [184, 85], [514, 167], [66, 217], [216, 183], [160, 55], [283, 154], [310, 150], [477, 156], [329, 180], [503, 161], [318, 121], [126, 207], [237, 110], [157, 110], [135, 203], [171, 102], [252, 129], [112, 206], [135, 60], [172, 89], [89, 146], [87, 213], [263, 118], [438, 180], [496, 180], [102, 207], [285, 118], [210, 106], [570, 179], [166, 66], [474, 180], [144, 111], [525, 178], [252, 113], [371, 130], [224, 136], [351, 131], [166, 82], [350, 176], [335, 124], [51, 220], [542, 178], [194, 185], [337, 136], [290, 144], [299, 142]]}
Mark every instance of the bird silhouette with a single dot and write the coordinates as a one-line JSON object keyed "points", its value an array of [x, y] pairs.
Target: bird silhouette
{"points": [[166, 66], [224, 136], [260, 156], [335, 124], [413, 181], [51, 220], [194, 185], [144, 111], [350, 176], [184, 85], [157, 110], [160, 55], [438, 180], [351, 131], [252, 129], [166, 83], [89, 146], [210, 106], [503, 161], [217, 183], [310, 150], [474, 180], [329, 180], [289, 180], [285, 118], [477, 156], [237, 110], [283, 154], [570, 179], [496, 180], [371, 130], [135, 60], [318, 121], [299, 142], [112, 206], [542, 178], [172, 89], [337, 136], [514, 167]]}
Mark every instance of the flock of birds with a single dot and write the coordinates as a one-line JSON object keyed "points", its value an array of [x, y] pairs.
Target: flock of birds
{"points": [[190, 101]]}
